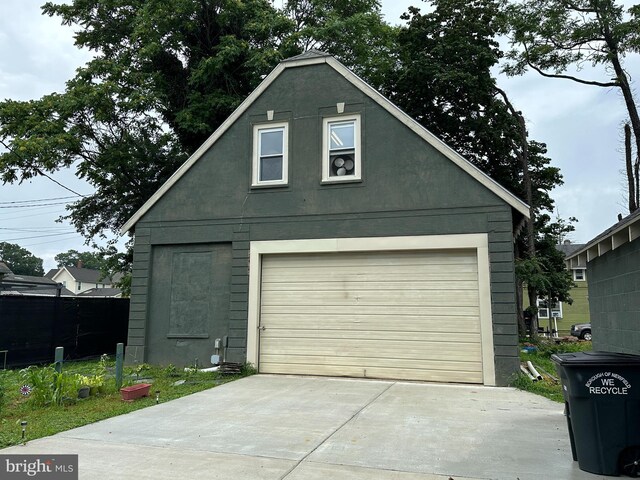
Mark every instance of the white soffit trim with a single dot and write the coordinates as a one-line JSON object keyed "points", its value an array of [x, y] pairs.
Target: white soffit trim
{"points": [[624, 231], [413, 125]]}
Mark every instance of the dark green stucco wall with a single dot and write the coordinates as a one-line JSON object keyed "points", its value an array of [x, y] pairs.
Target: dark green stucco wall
{"points": [[407, 188], [614, 299]]}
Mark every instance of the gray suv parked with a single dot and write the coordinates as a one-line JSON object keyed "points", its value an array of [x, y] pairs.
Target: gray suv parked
{"points": [[581, 330]]}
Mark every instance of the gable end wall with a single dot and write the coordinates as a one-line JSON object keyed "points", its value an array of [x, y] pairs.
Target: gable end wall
{"points": [[408, 189]]}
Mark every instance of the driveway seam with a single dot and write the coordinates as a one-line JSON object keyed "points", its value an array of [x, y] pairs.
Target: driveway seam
{"points": [[166, 447], [336, 431]]}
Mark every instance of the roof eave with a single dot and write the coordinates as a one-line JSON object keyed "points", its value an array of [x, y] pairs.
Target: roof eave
{"points": [[624, 232]]}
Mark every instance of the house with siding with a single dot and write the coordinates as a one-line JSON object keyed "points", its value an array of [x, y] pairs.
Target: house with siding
{"points": [[80, 280], [566, 314], [613, 268], [320, 230], [578, 311]]}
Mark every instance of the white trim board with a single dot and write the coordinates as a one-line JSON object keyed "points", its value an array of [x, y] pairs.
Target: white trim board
{"points": [[413, 125], [476, 241]]}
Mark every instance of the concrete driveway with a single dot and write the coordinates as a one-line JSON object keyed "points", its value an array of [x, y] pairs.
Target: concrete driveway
{"points": [[306, 428]]}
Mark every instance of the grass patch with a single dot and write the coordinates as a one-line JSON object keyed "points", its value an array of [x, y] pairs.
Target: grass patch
{"points": [[53, 405], [541, 360]]}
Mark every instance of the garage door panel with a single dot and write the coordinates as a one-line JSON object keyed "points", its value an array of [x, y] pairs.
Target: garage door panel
{"points": [[331, 275], [320, 270], [377, 258], [390, 298], [378, 322], [458, 376], [364, 310], [404, 315], [371, 362], [388, 349], [368, 334], [350, 284]]}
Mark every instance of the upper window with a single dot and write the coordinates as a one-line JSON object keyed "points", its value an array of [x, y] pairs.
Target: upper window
{"points": [[341, 149], [579, 275], [270, 154]]}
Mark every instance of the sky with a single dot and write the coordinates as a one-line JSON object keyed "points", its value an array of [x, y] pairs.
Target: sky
{"points": [[580, 124]]}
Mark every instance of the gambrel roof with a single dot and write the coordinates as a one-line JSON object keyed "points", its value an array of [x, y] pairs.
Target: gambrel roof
{"points": [[313, 57]]}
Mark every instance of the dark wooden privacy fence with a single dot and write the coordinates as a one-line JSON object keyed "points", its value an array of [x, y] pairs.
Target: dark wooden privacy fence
{"points": [[32, 326]]}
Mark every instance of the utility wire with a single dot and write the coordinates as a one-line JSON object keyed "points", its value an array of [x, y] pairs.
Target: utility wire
{"points": [[33, 230], [34, 205], [57, 210], [40, 172], [50, 241], [38, 236], [37, 200]]}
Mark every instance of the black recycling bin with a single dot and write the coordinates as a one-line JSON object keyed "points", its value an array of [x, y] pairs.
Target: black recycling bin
{"points": [[602, 399]]}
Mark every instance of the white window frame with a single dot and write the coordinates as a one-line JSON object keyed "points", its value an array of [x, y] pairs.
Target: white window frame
{"points": [[548, 310], [584, 275], [326, 178], [257, 131]]}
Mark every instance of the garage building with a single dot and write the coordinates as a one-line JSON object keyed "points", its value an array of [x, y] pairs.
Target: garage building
{"points": [[324, 232]]}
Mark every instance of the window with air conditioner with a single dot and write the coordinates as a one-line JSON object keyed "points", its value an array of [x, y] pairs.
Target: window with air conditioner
{"points": [[341, 152]]}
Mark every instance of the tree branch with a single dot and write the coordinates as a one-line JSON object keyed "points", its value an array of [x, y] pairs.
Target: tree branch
{"points": [[570, 77]]}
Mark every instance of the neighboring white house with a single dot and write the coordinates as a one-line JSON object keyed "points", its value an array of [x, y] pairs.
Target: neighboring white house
{"points": [[80, 280]]}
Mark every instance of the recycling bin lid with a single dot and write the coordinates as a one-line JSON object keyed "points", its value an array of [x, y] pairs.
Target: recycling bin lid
{"points": [[595, 358]]}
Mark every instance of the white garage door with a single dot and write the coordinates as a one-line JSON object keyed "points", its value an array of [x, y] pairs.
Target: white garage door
{"points": [[410, 315]]}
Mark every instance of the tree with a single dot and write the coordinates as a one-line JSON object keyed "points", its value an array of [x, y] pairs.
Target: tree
{"points": [[554, 36], [20, 260], [163, 78], [632, 171], [443, 78], [193, 61], [71, 258], [351, 30]]}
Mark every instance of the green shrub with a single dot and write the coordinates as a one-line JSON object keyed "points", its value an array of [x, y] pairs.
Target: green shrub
{"points": [[548, 348], [248, 369], [48, 386]]}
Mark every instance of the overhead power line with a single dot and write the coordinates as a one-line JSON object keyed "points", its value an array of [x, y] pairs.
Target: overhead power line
{"points": [[37, 236], [38, 200], [37, 205], [56, 210], [33, 229], [39, 171], [66, 239]]}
